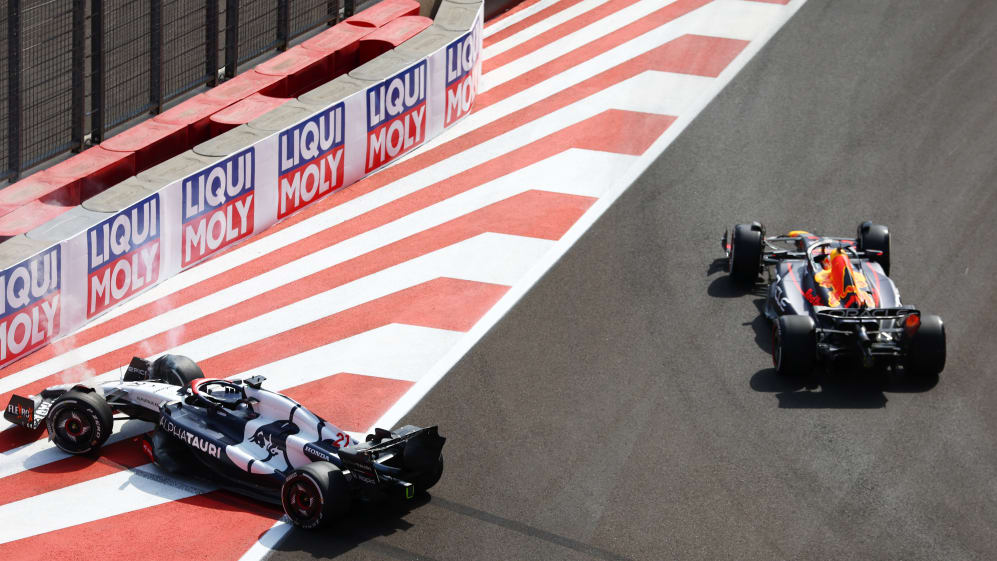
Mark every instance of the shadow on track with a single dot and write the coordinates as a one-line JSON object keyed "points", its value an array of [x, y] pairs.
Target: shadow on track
{"points": [[369, 522], [359, 528], [852, 388]]}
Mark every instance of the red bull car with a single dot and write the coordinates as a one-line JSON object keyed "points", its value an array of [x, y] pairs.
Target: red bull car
{"points": [[242, 437], [831, 298]]}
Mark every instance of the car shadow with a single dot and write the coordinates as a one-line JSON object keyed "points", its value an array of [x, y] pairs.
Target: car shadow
{"points": [[838, 388], [365, 523]]}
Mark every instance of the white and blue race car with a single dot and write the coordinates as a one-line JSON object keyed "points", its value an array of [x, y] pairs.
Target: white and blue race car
{"points": [[245, 438]]}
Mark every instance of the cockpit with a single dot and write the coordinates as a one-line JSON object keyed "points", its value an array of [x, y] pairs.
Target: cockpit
{"points": [[831, 263]]}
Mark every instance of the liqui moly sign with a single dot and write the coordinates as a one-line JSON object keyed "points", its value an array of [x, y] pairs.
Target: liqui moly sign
{"points": [[29, 310], [396, 116], [311, 160], [123, 255], [218, 206], [462, 76]]}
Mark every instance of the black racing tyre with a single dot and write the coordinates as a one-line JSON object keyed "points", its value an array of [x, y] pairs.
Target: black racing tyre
{"points": [[177, 370], [794, 350], [877, 238], [315, 495], [79, 422], [926, 352], [746, 253]]}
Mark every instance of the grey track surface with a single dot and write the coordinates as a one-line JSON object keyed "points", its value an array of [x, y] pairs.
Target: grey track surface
{"points": [[626, 408]]}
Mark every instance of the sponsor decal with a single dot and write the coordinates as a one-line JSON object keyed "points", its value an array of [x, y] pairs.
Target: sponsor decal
{"points": [[150, 402], [218, 206], [396, 116], [190, 439], [316, 453], [43, 408], [29, 308], [21, 410], [812, 298], [311, 160], [272, 437], [462, 76], [138, 370], [123, 255]]}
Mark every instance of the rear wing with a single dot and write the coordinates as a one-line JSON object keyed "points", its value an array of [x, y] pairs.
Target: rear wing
{"points": [[363, 462], [858, 315]]}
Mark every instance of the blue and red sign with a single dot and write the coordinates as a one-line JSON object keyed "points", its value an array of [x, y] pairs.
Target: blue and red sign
{"points": [[123, 255], [396, 116], [29, 305], [218, 206], [311, 160], [462, 76]]}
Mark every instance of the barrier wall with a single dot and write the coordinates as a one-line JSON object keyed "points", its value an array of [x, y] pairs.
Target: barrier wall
{"points": [[202, 202]]}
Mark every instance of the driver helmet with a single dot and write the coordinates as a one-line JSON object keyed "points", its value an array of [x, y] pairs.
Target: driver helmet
{"points": [[803, 237]]}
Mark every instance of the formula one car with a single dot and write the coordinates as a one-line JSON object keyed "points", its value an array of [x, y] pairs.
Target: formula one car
{"points": [[241, 436], [830, 298]]}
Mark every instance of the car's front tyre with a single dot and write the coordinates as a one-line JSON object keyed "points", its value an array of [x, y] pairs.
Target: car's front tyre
{"points": [[746, 253], [79, 422]]}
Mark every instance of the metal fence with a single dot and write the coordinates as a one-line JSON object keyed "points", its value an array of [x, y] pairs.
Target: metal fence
{"points": [[71, 70]]}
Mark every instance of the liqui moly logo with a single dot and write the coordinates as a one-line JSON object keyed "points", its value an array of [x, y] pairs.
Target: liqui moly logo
{"points": [[218, 206], [462, 76], [123, 255], [311, 160], [396, 116], [29, 310]]}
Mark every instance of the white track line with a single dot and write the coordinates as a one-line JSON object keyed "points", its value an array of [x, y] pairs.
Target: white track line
{"points": [[541, 27], [571, 42], [495, 27], [106, 496]]}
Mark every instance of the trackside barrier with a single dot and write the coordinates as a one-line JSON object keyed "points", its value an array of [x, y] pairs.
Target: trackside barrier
{"points": [[195, 205]]}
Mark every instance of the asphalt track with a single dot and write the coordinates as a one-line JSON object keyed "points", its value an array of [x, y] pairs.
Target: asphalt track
{"points": [[626, 408]]}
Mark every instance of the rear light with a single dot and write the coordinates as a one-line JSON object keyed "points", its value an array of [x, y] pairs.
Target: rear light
{"points": [[911, 324]]}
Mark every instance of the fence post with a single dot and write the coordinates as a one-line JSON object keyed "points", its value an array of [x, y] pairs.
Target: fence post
{"points": [[14, 88], [333, 12], [79, 57], [96, 71], [231, 38], [283, 25], [155, 56], [211, 41], [349, 7]]}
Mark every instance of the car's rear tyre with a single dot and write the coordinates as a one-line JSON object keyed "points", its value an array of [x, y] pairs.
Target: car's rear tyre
{"points": [[926, 352], [79, 422], [876, 237], [177, 370], [746, 253], [315, 494], [794, 349]]}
